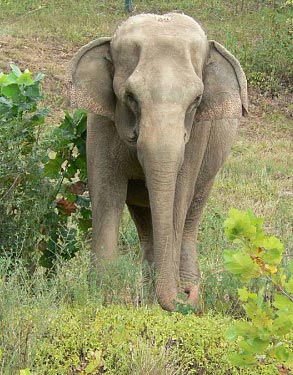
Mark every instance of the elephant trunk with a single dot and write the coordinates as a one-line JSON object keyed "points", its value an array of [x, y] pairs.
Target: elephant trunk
{"points": [[161, 156]]}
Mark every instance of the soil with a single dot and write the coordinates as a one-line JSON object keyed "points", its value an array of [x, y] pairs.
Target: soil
{"points": [[49, 57]]}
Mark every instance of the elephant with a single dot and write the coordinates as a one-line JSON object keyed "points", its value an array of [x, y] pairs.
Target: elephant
{"points": [[164, 104]]}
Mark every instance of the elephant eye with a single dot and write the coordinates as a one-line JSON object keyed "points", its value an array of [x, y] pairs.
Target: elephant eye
{"points": [[131, 101], [194, 104]]}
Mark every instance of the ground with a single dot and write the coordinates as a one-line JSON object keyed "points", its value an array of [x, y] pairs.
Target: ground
{"points": [[47, 57]]}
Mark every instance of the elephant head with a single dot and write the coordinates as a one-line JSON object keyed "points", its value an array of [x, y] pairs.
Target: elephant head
{"points": [[156, 79]]}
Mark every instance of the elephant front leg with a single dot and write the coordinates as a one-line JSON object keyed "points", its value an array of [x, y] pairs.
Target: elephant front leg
{"points": [[107, 185], [107, 207]]}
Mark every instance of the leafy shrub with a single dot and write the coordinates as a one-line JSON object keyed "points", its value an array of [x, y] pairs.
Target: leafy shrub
{"points": [[39, 190], [23, 194], [269, 309], [69, 212]]}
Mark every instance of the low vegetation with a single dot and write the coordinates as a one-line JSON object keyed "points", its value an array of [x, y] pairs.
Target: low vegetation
{"points": [[80, 322], [268, 300], [57, 314]]}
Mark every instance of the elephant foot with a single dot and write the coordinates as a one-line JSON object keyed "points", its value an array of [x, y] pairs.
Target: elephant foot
{"points": [[192, 293], [189, 275], [186, 295]]}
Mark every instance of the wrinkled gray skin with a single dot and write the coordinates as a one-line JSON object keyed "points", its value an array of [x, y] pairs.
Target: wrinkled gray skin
{"points": [[164, 104]]}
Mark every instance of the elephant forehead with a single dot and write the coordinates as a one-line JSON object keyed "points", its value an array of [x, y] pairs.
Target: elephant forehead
{"points": [[150, 28]]}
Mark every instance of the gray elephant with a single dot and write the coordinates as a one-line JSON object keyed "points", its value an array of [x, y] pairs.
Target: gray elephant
{"points": [[164, 104]]}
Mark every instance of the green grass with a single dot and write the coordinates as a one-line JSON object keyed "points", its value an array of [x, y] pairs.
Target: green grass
{"points": [[67, 324], [52, 324], [259, 34]]}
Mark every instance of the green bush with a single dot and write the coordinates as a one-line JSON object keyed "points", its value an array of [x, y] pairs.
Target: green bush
{"points": [[23, 192], [40, 188], [267, 296], [69, 211]]}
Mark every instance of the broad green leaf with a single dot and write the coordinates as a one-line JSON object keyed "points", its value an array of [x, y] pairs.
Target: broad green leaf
{"points": [[246, 294], [80, 118], [282, 302], [273, 250], [85, 212], [254, 345], [242, 360], [81, 165], [71, 170], [241, 224], [284, 306], [256, 221], [263, 321], [241, 265], [273, 242], [244, 329], [15, 70], [231, 333], [289, 286], [243, 294], [68, 125], [25, 79], [11, 78], [11, 91], [84, 202], [71, 197], [39, 77], [271, 317], [282, 325], [279, 279], [47, 258], [289, 361], [33, 91], [53, 167], [3, 79], [84, 224], [270, 269], [282, 354]]}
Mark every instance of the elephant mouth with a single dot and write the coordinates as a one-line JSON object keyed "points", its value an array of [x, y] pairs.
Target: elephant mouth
{"points": [[132, 140]]}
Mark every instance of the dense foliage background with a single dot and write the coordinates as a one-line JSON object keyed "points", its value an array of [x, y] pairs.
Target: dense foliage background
{"points": [[48, 291]]}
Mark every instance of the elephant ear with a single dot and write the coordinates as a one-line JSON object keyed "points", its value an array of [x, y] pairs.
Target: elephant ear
{"points": [[90, 80], [225, 87]]}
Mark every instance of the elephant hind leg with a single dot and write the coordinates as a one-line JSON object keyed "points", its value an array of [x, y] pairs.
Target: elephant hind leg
{"points": [[143, 221]]}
